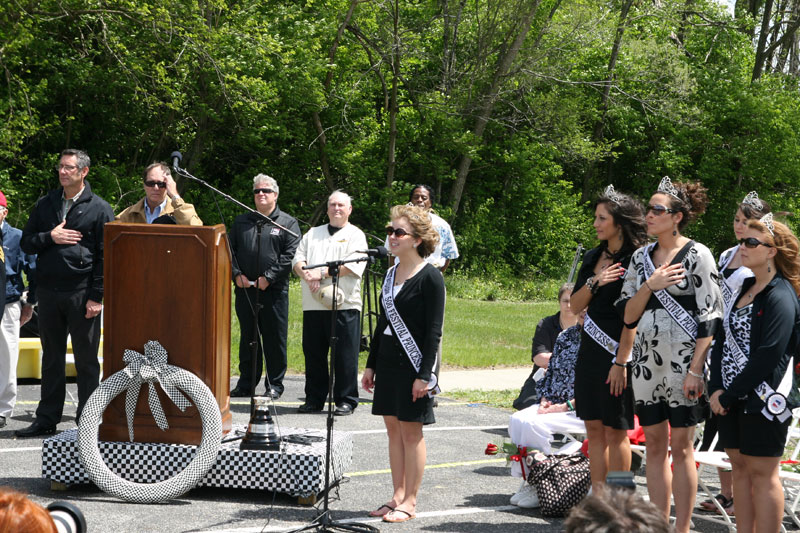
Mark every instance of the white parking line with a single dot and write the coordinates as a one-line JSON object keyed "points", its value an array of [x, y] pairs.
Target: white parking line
{"points": [[7, 450], [450, 428]]}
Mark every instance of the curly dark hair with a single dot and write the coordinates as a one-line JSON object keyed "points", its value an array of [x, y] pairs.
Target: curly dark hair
{"points": [[628, 214], [692, 201]]}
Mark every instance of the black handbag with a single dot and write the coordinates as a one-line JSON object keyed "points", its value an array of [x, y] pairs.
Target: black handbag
{"points": [[561, 482]]}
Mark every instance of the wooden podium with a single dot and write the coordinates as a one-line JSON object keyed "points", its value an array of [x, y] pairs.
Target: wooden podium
{"points": [[170, 284]]}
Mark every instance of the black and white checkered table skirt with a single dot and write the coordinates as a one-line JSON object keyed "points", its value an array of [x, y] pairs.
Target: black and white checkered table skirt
{"points": [[298, 471]]}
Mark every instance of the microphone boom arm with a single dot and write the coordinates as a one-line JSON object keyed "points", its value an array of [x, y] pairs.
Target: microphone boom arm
{"points": [[184, 173]]}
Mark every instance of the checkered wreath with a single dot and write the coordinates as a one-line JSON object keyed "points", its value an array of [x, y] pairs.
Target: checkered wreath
{"points": [[149, 368]]}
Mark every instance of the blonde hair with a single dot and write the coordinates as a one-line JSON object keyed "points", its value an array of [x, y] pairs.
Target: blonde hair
{"points": [[787, 247], [420, 221]]}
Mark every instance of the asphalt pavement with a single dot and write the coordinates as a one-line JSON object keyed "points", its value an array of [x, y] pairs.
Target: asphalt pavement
{"points": [[463, 490]]}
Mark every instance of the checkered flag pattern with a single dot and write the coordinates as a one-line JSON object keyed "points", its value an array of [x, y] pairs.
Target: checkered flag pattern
{"points": [[202, 458], [297, 470]]}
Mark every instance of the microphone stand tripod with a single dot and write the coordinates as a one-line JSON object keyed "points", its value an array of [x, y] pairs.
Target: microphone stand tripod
{"points": [[323, 521]]}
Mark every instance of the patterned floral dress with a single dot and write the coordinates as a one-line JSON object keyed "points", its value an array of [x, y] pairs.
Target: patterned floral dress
{"points": [[662, 350]]}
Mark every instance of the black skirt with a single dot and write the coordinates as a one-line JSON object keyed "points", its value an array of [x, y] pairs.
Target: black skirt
{"points": [[394, 377]]}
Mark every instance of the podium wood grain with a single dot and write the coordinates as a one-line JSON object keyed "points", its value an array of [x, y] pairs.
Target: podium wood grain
{"points": [[170, 284]]}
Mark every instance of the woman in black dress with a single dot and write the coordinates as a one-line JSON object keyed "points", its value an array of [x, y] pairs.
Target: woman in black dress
{"points": [[603, 397], [751, 372], [402, 355]]}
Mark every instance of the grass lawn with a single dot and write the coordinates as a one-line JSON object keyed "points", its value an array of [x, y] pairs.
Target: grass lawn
{"points": [[494, 398], [477, 334]]}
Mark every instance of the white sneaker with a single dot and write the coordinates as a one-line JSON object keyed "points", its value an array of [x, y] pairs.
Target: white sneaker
{"points": [[530, 500], [523, 489]]}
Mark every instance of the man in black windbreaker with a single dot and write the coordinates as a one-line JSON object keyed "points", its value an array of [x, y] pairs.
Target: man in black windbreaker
{"points": [[265, 269], [65, 229]]}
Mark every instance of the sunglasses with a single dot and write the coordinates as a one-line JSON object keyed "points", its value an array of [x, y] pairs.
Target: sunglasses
{"points": [[752, 242], [157, 184], [265, 191], [397, 232], [659, 210]]}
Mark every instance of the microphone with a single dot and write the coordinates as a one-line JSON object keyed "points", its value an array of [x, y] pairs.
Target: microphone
{"points": [[177, 157], [380, 252]]}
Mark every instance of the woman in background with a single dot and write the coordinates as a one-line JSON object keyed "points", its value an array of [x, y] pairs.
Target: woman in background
{"points": [[544, 338]]}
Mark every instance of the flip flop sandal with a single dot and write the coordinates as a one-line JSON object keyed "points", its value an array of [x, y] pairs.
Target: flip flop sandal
{"points": [[708, 505], [377, 513], [388, 516], [728, 506]]}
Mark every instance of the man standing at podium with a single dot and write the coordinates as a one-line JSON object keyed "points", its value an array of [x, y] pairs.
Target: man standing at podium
{"points": [[261, 270], [334, 241], [158, 185], [65, 230]]}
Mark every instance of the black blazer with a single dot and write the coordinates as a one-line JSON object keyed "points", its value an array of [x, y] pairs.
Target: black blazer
{"points": [[421, 305], [775, 316]]}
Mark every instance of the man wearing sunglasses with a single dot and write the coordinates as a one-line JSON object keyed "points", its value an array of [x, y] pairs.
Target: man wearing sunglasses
{"points": [[261, 272], [161, 198], [65, 231], [330, 242]]}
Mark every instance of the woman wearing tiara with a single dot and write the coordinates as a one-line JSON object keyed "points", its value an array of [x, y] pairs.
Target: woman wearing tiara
{"points": [[620, 227], [672, 308], [751, 372], [733, 274]]}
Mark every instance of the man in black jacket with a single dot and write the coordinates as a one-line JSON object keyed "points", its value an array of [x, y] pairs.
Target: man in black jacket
{"points": [[262, 272], [65, 229]]}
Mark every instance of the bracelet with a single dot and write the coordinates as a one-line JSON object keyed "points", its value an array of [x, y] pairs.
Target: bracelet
{"points": [[648, 286], [570, 406], [594, 287], [695, 374], [614, 362]]}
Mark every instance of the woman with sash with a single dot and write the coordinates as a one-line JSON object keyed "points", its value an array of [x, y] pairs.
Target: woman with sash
{"points": [[402, 358], [672, 308], [619, 224], [751, 372], [733, 274]]}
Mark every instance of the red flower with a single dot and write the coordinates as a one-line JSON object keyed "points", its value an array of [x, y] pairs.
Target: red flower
{"points": [[491, 449], [760, 312]]}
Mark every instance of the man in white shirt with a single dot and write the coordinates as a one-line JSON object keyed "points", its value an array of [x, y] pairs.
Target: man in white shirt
{"points": [[330, 242]]}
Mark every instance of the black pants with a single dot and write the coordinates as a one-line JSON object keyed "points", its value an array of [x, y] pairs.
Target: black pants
{"points": [[61, 313], [273, 324], [316, 342]]}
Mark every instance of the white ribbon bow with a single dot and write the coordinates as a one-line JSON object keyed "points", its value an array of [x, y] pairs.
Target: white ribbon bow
{"points": [[149, 368]]}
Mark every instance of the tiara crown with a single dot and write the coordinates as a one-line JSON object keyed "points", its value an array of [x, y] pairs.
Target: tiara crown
{"points": [[753, 201], [667, 188], [768, 222], [612, 194]]}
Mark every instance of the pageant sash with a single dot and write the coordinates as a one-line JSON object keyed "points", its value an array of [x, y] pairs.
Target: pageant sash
{"points": [[675, 310], [774, 402], [599, 336], [408, 343], [731, 285]]}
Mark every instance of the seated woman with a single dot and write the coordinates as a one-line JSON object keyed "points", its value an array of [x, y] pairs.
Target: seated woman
{"points": [[547, 331], [535, 426]]}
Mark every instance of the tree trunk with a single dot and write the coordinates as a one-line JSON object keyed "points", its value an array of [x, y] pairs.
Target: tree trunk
{"points": [[391, 163], [321, 139], [599, 127], [761, 52], [490, 97]]}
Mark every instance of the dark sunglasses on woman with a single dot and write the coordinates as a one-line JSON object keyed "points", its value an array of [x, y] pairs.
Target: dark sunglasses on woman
{"points": [[399, 232], [752, 242]]}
